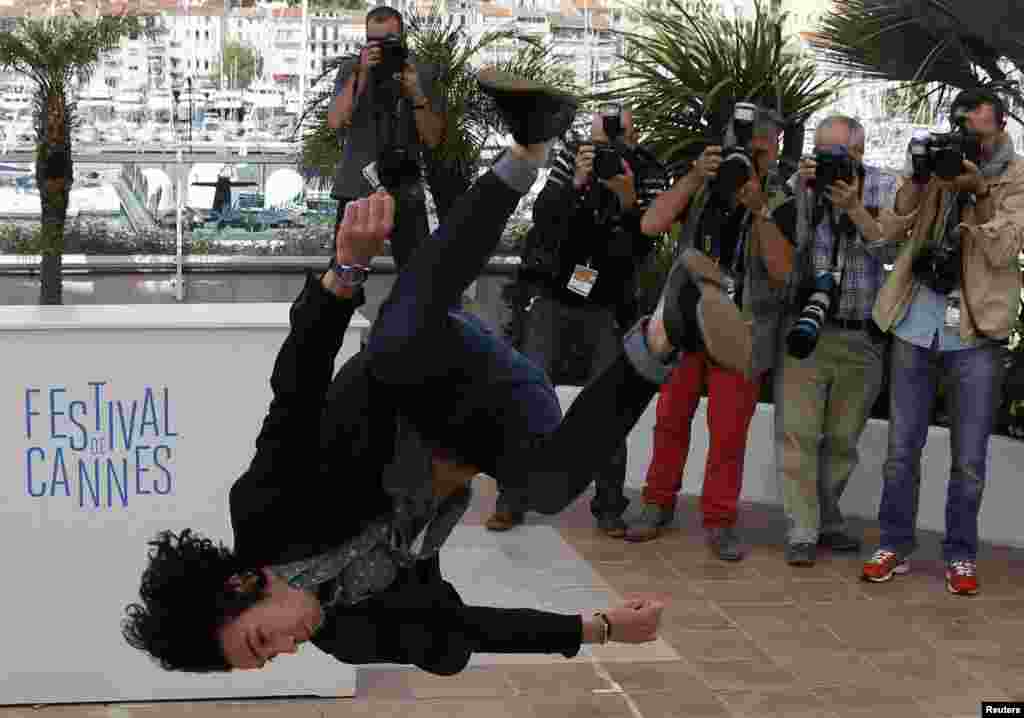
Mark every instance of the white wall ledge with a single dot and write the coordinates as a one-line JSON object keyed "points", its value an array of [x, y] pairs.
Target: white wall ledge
{"points": [[267, 315]]}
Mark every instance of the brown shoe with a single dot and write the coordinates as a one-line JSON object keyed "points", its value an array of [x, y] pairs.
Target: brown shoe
{"points": [[505, 520]]}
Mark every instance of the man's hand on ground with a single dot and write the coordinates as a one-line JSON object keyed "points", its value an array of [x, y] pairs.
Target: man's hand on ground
{"points": [[367, 223]]}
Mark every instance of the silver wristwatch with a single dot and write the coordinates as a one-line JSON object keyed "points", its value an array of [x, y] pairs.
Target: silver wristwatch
{"points": [[351, 275]]}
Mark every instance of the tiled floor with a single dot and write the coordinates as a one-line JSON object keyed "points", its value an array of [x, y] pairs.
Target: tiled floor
{"points": [[755, 638]]}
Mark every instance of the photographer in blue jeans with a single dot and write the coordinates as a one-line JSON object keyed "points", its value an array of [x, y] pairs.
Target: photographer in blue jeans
{"points": [[950, 302]]}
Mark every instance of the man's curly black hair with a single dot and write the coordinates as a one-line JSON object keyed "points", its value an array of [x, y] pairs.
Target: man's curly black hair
{"points": [[185, 600]]}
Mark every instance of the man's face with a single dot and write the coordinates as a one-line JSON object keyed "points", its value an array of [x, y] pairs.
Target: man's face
{"points": [[277, 624], [765, 148], [379, 30], [982, 120]]}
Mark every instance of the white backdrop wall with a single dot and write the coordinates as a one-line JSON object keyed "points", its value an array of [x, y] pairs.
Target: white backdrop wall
{"points": [[116, 423]]}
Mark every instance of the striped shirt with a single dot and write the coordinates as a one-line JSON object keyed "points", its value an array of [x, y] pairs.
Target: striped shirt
{"points": [[861, 261]]}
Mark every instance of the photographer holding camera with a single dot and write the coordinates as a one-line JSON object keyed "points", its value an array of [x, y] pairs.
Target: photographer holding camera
{"points": [[739, 213], [580, 263], [386, 109], [950, 301], [833, 367]]}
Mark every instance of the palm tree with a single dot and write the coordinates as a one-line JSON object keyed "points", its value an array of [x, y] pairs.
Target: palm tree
{"points": [[471, 118], [931, 48], [682, 75], [52, 53]]}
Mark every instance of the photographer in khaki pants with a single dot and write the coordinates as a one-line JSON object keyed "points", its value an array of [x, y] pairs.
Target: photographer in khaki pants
{"points": [[377, 113], [824, 392], [950, 301]]}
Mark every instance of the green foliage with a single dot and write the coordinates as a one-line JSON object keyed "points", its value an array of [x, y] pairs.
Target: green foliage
{"points": [[920, 44], [681, 76], [242, 65]]}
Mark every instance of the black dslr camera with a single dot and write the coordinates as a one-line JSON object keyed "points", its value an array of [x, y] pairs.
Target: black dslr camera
{"points": [[396, 167], [939, 266], [394, 55], [832, 164], [943, 154], [819, 300], [608, 156], [737, 158]]}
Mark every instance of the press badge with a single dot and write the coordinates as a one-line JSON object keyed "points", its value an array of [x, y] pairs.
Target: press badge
{"points": [[582, 280], [953, 309]]}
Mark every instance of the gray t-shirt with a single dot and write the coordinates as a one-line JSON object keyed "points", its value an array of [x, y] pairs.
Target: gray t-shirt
{"points": [[371, 121]]}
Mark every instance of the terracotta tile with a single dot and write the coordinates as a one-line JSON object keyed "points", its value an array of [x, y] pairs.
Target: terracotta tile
{"points": [[925, 673], [690, 704], [995, 671], [592, 706], [665, 590], [1003, 610], [772, 704], [744, 675], [799, 642], [966, 703], [756, 591], [694, 614], [879, 702], [470, 683], [826, 591], [549, 680], [711, 569], [445, 708], [678, 676], [822, 667], [726, 644], [870, 628], [766, 620]]}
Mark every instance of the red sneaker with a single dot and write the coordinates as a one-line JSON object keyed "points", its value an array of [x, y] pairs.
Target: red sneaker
{"points": [[962, 577], [883, 565]]}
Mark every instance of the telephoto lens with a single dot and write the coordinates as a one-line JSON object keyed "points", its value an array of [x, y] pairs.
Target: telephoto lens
{"points": [[803, 336]]}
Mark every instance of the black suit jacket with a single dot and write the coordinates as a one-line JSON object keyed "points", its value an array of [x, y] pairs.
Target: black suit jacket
{"points": [[316, 478]]}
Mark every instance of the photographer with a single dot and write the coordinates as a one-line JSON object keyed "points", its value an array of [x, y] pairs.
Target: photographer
{"points": [[386, 109], [833, 367], [749, 233], [950, 301], [587, 227]]}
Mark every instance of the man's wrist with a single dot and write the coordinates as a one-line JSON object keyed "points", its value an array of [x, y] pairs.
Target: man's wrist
{"points": [[593, 630], [330, 282]]}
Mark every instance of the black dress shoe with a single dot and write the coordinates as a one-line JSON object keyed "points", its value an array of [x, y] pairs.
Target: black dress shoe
{"points": [[801, 554], [534, 112], [839, 541]]}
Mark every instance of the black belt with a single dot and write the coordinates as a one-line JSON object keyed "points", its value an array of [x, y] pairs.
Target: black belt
{"points": [[854, 325]]}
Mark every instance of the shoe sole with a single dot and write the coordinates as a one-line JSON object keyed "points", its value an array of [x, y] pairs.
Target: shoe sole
{"points": [[899, 570], [726, 335], [960, 593]]}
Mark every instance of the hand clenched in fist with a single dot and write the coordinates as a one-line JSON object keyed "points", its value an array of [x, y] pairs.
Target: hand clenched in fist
{"points": [[635, 621], [367, 223]]}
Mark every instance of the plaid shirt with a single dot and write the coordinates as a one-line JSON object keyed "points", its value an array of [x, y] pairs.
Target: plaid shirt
{"points": [[861, 261]]}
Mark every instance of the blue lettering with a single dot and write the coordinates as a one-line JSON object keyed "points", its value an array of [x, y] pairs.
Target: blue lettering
{"points": [[167, 413], [127, 432], [28, 412], [149, 414], [97, 385], [71, 416], [54, 413], [113, 480], [28, 471], [93, 486], [167, 474], [140, 469], [58, 466]]}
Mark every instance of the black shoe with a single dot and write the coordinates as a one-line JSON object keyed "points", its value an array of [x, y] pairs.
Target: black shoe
{"points": [[839, 541], [698, 313], [725, 542], [612, 525], [533, 112], [801, 554]]}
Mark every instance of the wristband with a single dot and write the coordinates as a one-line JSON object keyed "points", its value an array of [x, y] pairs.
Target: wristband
{"points": [[606, 634], [350, 276]]}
